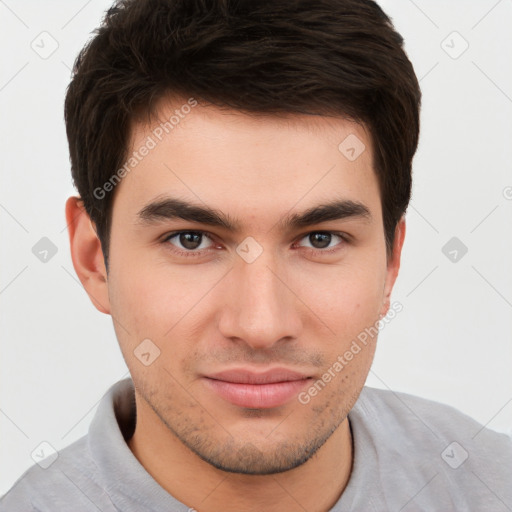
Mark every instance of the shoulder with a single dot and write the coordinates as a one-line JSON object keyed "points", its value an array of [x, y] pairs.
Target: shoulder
{"points": [[444, 422], [67, 482], [419, 442], [80, 476]]}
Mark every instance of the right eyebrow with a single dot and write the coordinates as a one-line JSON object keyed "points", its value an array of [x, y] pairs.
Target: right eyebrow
{"points": [[172, 208]]}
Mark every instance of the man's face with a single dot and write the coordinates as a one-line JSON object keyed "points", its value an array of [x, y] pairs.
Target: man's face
{"points": [[235, 313]]}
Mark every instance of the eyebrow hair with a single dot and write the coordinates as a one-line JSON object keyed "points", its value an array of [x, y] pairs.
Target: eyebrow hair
{"points": [[173, 208], [333, 210]]}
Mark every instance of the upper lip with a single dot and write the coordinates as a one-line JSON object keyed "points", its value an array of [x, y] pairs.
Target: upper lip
{"points": [[241, 376]]}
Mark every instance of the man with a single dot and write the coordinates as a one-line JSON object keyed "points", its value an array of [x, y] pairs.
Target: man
{"points": [[244, 168]]}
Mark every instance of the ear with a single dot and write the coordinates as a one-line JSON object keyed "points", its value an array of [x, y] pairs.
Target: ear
{"points": [[393, 265], [86, 254]]}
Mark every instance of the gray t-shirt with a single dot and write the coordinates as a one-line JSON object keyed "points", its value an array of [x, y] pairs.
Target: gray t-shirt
{"points": [[410, 454]]}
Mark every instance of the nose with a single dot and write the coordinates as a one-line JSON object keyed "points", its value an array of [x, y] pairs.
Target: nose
{"points": [[259, 305]]}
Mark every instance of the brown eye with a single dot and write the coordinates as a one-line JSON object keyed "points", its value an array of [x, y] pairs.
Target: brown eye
{"points": [[322, 240], [188, 240]]}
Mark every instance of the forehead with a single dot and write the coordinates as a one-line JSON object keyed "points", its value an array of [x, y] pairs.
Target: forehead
{"points": [[252, 165]]}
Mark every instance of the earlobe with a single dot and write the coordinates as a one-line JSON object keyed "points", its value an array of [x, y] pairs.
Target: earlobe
{"points": [[86, 254], [393, 266]]}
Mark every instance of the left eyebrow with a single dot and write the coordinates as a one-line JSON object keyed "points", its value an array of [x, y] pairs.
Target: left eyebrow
{"points": [[172, 208], [334, 210]]}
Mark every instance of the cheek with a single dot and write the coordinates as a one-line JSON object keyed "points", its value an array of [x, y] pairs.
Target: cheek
{"points": [[347, 298], [145, 306], [155, 300]]}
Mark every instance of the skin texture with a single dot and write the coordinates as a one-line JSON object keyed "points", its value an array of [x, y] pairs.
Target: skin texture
{"points": [[294, 306]]}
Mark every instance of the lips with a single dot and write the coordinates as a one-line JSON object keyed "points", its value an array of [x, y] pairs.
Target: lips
{"points": [[253, 390]]}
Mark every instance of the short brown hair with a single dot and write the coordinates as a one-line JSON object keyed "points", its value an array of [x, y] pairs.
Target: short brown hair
{"points": [[322, 57]]}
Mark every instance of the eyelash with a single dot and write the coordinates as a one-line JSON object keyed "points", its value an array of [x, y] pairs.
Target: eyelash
{"points": [[196, 253]]}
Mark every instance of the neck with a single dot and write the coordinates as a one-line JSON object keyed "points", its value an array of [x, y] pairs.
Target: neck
{"points": [[314, 486]]}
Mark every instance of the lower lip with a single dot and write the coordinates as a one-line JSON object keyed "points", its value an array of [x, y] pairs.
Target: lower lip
{"points": [[257, 396]]}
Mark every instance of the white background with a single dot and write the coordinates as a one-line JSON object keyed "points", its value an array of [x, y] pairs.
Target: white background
{"points": [[451, 342]]}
